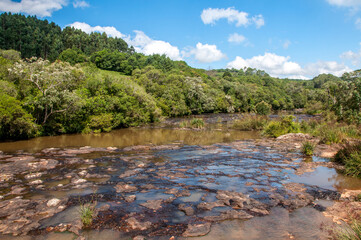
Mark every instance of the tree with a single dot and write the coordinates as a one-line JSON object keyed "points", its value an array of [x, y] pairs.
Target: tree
{"points": [[53, 86]]}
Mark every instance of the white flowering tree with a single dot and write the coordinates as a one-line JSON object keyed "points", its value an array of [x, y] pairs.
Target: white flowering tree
{"points": [[50, 86]]}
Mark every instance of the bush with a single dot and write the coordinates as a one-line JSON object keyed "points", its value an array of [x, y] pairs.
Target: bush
{"points": [[329, 135], [284, 126], [100, 123], [87, 214], [249, 122], [197, 123], [15, 122], [350, 156], [263, 108], [308, 148]]}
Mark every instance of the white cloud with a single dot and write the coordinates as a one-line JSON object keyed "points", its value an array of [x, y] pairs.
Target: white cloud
{"points": [[211, 15], [286, 44], [332, 67], [144, 44], [258, 20], [80, 4], [205, 53], [354, 57], [236, 38], [41, 8], [110, 31], [141, 42], [281, 66], [345, 3]]}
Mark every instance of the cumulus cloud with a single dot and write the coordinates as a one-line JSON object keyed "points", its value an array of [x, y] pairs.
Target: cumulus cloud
{"points": [[80, 4], [354, 57], [141, 42], [345, 3], [144, 44], [281, 66], [205, 53], [236, 38], [211, 15], [110, 31], [41, 8]]}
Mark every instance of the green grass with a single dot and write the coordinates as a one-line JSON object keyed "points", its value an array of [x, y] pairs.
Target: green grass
{"points": [[349, 232], [350, 157], [281, 127], [308, 148], [87, 214], [250, 122], [197, 123]]}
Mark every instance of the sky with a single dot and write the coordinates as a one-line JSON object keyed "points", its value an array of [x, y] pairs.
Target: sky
{"points": [[285, 38]]}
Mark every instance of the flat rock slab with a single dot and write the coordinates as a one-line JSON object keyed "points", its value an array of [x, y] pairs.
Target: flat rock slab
{"points": [[197, 230], [125, 188], [153, 204]]}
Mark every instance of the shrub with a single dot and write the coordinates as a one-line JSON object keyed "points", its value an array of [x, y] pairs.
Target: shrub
{"points": [[350, 156], [197, 123], [263, 108], [15, 122], [87, 214], [308, 148], [329, 135], [101, 123], [249, 122], [284, 126]]}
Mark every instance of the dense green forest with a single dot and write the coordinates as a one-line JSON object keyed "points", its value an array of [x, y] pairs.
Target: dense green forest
{"points": [[55, 81]]}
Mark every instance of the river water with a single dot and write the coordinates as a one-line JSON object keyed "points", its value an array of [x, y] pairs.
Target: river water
{"points": [[175, 166]]}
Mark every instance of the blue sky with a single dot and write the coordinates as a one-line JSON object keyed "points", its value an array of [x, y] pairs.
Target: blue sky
{"points": [[286, 38]]}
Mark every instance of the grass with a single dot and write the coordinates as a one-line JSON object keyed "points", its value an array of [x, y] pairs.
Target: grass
{"points": [[350, 232], [308, 148], [87, 214], [250, 122], [350, 157], [194, 123], [281, 127]]}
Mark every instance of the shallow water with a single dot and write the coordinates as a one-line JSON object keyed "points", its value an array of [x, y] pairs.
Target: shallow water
{"points": [[202, 163], [130, 137]]}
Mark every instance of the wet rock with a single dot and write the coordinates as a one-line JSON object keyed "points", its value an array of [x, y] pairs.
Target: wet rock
{"points": [[188, 210], [36, 182], [172, 191], [5, 177], [153, 204], [19, 216], [210, 205], [139, 237], [130, 198], [294, 137], [125, 188], [53, 202], [33, 175], [230, 214], [17, 190], [351, 195], [78, 181], [137, 225], [197, 230], [184, 193], [128, 173]]}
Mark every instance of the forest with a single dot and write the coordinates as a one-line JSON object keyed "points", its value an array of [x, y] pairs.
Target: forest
{"points": [[55, 81]]}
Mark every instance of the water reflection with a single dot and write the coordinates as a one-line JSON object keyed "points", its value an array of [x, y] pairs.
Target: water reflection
{"points": [[130, 137]]}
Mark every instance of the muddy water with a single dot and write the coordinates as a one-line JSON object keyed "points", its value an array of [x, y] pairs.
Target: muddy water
{"points": [[131, 137], [207, 171]]}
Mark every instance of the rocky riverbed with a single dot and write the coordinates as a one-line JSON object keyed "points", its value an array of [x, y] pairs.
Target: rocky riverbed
{"points": [[172, 190]]}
